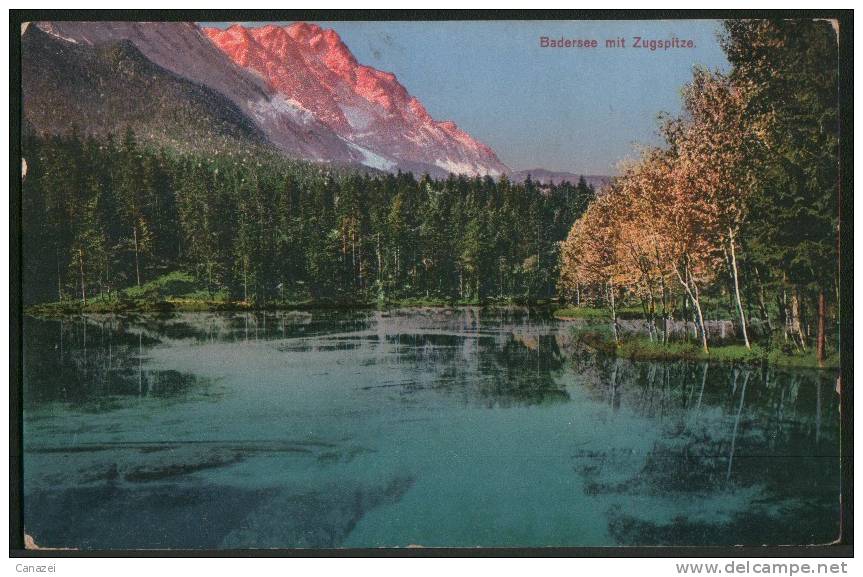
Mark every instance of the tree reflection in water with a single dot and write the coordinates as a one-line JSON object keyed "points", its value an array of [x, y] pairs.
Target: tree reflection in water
{"points": [[95, 362], [747, 436]]}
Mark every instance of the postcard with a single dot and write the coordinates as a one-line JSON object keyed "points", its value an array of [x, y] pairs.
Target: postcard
{"points": [[439, 283]]}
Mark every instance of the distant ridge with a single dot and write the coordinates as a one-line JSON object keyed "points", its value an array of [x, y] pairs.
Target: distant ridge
{"points": [[544, 176]]}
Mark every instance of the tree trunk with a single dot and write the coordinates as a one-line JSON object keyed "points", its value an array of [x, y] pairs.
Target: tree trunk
{"points": [[730, 276], [737, 289], [761, 302], [822, 321], [652, 309], [797, 317], [646, 314], [697, 302], [693, 297], [613, 313], [108, 275], [59, 278], [137, 266], [380, 266], [358, 270], [245, 280], [665, 310], [81, 267]]}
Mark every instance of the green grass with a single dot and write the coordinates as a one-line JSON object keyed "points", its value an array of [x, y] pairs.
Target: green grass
{"points": [[803, 360], [582, 313], [590, 313], [443, 301], [174, 291], [169, 285], [422, 302], [181, 291], [642, 348]]}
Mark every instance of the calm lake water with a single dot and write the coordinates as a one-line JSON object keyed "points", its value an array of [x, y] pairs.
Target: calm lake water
{"points": [[455, 428]]}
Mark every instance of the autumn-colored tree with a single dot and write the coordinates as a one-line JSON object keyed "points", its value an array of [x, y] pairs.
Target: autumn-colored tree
{"points": [[668, 232], [644, 193], [653, 226], [717, 152], [590, 252]]}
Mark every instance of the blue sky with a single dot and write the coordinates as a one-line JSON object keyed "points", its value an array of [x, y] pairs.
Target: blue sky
{"points": [[572, 109]]}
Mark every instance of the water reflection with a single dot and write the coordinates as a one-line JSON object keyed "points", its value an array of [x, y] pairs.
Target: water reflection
{"points": [[503, 361], [760, 434], [168, 516], [459, 427], [90, 362]]}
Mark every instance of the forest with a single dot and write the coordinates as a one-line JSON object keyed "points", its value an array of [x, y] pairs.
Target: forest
{"points": [[735, 214], [103, 216]]}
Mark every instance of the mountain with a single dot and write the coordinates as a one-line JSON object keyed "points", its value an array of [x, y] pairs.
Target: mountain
{"points": [[167, 52], [297, 90], [98, 89], [375, 115], [544, 176]]}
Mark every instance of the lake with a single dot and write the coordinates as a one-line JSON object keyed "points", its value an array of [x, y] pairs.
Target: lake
{"points": [[429, 427]]}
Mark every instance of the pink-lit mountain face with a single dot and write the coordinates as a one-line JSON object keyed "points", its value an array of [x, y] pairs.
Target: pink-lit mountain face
{"points": [[295, 89], [318, 78]]}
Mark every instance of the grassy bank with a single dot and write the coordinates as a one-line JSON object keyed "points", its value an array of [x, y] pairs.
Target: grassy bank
{"points": [[172, 292], [215, 303], [589, 313], [180, 292], [642, 348]]}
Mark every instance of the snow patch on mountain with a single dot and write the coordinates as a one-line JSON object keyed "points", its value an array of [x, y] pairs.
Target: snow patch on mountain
{"points": [[278, 104], [462, 167], [371, 159], [358, 117]]}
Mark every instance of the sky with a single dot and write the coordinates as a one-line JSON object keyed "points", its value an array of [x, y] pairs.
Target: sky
{"points": [[570, 109]]}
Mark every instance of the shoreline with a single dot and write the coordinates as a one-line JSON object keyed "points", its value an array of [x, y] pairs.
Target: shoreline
{"points": [[59, 309], [633, 347], [642, 348]]}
